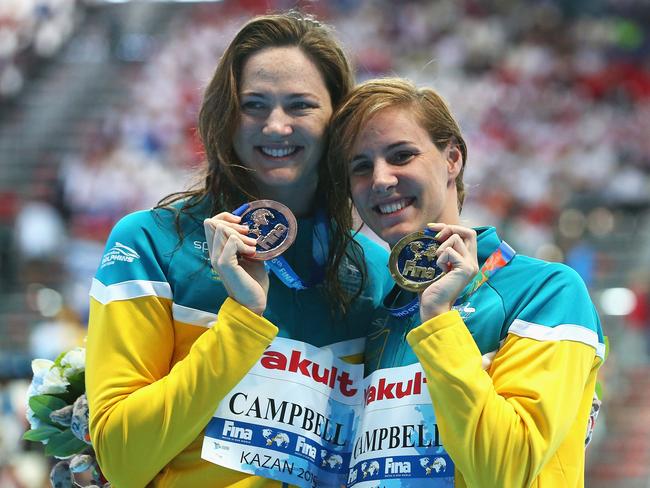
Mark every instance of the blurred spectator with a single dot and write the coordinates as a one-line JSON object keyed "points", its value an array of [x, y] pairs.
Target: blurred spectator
{"points": [[30, 29], [8, 209], [583, 258], [639, 318], [39, 235], [54, 335]]}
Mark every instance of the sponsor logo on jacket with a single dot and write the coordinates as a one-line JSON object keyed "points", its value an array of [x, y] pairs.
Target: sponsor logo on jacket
{"points": [[119, 253]]}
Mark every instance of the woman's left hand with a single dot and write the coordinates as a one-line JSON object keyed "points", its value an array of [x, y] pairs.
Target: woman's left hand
{"points": [[457, 257]]}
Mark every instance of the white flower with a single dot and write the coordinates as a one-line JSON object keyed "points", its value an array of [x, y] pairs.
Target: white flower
{"points": [[53, 382], [48, 379], [40, 367], [74, 361]]}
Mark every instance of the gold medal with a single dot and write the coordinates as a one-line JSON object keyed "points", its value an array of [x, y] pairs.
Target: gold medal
{"points": [[272, 224], [412, 261]]}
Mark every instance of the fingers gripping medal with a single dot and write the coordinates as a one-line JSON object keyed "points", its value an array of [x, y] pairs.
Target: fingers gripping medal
{"points": [[272, 224], [412, 261]]}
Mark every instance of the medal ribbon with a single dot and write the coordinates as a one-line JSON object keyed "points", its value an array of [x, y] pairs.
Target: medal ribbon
{"points": [[497, 260], [319, 247]]}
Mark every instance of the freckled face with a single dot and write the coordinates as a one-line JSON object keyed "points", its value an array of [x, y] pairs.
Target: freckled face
{"points": [[399, 179], [285, 109]]}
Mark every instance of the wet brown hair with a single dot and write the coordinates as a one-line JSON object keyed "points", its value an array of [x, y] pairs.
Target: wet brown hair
{"points": [[359, 107]]}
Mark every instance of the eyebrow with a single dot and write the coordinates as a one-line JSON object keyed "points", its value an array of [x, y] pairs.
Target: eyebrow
{"points": [[291, 96], [302, 95], [388, 148]]}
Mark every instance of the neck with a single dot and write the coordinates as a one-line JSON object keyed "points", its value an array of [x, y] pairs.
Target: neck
{"points": [[298, 199], [450, 214]]}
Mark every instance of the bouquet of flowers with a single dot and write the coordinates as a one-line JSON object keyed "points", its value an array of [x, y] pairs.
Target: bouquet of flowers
{"points": [[57, 412]]}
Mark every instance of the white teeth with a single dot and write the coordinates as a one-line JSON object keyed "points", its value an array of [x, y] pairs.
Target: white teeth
{"points": [[278, 152], [392, 207]]}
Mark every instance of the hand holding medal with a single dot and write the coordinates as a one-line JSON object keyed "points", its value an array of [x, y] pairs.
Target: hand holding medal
{"points": [[438, 263], [271, 224], [238, 242]]}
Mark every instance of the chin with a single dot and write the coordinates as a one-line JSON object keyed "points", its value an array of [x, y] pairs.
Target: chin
{"points": [[279, 178], [394, 234]]}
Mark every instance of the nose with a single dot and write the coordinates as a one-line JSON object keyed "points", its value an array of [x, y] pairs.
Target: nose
{"points": [[278, 123], [384, 179]]}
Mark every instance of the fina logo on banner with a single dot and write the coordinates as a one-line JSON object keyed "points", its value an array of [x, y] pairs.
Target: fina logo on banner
{"points": [[305, 417]]}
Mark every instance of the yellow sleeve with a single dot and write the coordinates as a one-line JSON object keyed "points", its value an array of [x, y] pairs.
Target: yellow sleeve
{"points": [[501, 428], [143, 412]]}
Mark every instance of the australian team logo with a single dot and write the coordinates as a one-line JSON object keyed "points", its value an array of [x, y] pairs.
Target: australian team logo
{"points": [[272, 224], [119, 253], [413, 261]]}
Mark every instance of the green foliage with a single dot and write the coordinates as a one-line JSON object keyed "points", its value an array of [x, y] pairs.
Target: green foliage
{"points": [[42, 433], [64, 444], [44, 405], [77, 385]]}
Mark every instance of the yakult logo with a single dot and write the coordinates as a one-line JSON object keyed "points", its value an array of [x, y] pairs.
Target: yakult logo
{"points": [[385, 390], [295, 363]]}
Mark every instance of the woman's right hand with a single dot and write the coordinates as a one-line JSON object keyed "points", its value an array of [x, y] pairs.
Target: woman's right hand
{"points": [[245, 280]]}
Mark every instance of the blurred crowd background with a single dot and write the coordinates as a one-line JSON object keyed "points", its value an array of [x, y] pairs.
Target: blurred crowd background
{"points": [[98, 108]]}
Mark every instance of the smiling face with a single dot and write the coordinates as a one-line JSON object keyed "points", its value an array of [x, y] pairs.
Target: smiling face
{"points": [[285, 108], [399, 179]]}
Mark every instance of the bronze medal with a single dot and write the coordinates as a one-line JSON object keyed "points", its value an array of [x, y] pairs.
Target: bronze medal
{"points": [[272, 224], [412, 261]]}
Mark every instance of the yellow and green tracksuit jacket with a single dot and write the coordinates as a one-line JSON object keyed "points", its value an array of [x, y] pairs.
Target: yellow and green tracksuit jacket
{"points": [[511, 372], [165, 344]]}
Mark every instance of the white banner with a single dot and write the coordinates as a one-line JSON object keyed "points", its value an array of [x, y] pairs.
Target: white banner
{"points": [[307, 418], [397, 443]]}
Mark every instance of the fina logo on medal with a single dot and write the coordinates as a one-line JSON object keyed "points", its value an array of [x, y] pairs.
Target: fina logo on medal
{"points": [[272, 224], [413, 261]]}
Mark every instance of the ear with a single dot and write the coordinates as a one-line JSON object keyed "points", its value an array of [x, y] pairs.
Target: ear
{"points": [[454, 161]]}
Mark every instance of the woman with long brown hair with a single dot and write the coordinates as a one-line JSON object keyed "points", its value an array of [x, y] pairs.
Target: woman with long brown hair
{"points": [[175, 316]]}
